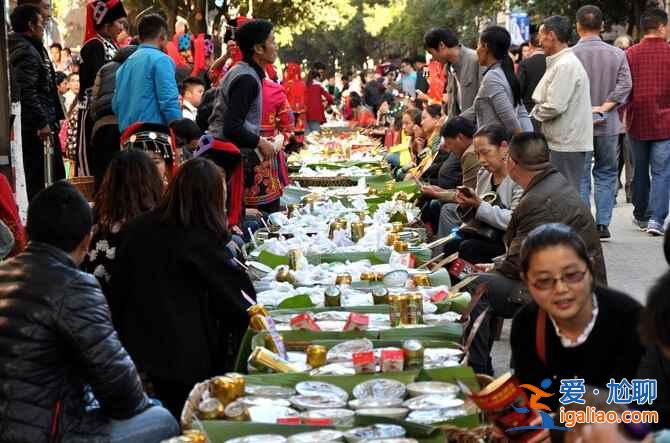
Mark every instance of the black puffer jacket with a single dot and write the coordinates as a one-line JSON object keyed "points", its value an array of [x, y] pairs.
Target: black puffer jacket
{"points": [[56, 340], [34, 76], [105, 84]]}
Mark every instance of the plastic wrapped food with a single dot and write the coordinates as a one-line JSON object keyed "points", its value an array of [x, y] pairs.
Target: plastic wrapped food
{"points": [[433, 416], [374, 432], [343, 352], [269, 391], [321, 388], [375, 403], [425, 402], [263, 438], [306, 402], [337, 417], [270, 414], [432, 388], [325, 435], [394, 413], [334, 369], [380, 388]]}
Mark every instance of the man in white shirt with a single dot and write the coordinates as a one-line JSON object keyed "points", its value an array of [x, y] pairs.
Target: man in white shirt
{"points": [[192, 90], [563, 102], [72, 92]]}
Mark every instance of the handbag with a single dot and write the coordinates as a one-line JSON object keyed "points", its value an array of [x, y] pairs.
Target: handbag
{"points": [[477, 229]]}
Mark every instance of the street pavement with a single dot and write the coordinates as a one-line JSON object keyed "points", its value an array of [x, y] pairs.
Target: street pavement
{"points": [[634, 261]]}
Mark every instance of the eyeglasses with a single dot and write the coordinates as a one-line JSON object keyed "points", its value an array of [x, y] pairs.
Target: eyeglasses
{"points": [[569, 278]]}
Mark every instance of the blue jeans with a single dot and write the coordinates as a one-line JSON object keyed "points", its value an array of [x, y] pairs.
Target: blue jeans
{"points": [[651, 196], [151, 426], [312, 126], [605, 172]]}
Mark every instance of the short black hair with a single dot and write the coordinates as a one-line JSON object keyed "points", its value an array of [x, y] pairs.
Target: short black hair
{"points": [[435, 36], [590, 17], [22, 16], [550, 235], [421, 58], [654, 327], [560, 25], [495, 134], [186, 131], [59, 216], [434, 111], [252, 33], [151, 26], [60, 77], [191, 82], [318, 65], [56, 45], [530, 150], [652, 19], [407, 61], [458, 125], [355, 100]]}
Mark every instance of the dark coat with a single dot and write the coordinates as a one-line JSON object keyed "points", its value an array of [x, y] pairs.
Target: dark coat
{"points": [[655, 366], [34, 76], [177, 300], [550, 199], [56, 339], [612, 349], [105, 84], [530, 73]]}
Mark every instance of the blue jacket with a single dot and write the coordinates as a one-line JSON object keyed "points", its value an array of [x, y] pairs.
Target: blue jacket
{"points": [[146, 89]]}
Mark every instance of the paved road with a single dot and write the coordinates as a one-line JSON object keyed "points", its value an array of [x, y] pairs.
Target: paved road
{"points": [[634, 261]]}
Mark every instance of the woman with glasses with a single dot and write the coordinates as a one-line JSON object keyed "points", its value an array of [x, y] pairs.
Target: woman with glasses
{"points": [[573, 329]]}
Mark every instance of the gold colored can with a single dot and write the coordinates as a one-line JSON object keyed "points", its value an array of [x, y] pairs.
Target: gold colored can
{"points": [[238, 381], [414, 309], [422, 280], [332, 296], [258, 309], [284, 275], [263, 359], [361, 216], [210, 409], [258, 323], [413, 352], [335, 225], [391, 238], [397, 305], [397, 227], [389, 186], [294, 257], [270, 343], [380, 295], [368, 276], [316, 355], [223, 389], [372, 192], [357, 231], [400, 246], [343, 279], [195, 436], [291, 210]]}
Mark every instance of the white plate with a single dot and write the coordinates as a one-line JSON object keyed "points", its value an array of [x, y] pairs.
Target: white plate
{"points": [[394, 413], [432, 388], [380, 388], [269, 391], [306, 402], [426, 402], [340, 417], [375, 432], [375, 403], [325, 435], [270, 414], [321, 388], [263, 438]]}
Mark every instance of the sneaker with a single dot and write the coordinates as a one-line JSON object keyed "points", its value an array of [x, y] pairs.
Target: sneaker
{"points": [[641, 224], [655, 229], [604, 233]]}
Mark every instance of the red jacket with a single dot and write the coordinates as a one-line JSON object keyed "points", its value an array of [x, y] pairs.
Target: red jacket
{"points": [[314, 95]]}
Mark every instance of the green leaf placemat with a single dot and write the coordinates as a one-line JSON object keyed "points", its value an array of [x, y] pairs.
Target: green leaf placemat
{"points": [[297, 301]]}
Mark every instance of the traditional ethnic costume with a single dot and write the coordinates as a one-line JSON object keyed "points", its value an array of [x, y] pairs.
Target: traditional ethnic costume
{"points": [[295, 92], [96, 52], [152, 137], [271, 176]]}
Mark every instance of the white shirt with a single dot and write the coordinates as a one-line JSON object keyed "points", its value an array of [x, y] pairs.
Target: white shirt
{"points": [[568, 343], [189, 111]]}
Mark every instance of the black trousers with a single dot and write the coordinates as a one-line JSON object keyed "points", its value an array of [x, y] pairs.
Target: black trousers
{"points": [[474, 250], [504, 297], [104, 145], [33, 160]]}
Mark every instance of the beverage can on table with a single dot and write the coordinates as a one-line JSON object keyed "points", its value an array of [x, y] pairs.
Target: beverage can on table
{"points": [[380, 295], [414, 309], [343, 279], [258, 309], [238, 381], [258, 323], [294, 257], [357, 231], [332, 296], [223, 389], [316, 355], [413, 351]]}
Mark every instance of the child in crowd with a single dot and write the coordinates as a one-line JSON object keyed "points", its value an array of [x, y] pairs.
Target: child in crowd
{"points": [[192, 90]]}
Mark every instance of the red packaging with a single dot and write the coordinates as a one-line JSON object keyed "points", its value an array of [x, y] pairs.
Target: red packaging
{"points": [[392, 360], [439, 296], [364, 362], [460, 269], [304, 321], [288, 421], [357, 322], [317, 421]]}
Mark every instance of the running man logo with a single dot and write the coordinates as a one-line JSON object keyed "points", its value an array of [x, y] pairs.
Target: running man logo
{"points": [[541, 409]]}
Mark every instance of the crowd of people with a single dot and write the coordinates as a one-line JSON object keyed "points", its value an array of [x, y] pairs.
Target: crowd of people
{"points": [[141, 297]]}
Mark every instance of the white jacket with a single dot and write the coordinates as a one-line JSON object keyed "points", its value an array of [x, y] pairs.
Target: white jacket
{"points": [[563, 104]]}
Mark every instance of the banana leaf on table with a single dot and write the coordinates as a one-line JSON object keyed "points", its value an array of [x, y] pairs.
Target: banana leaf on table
{"points": [[380, 256]]}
